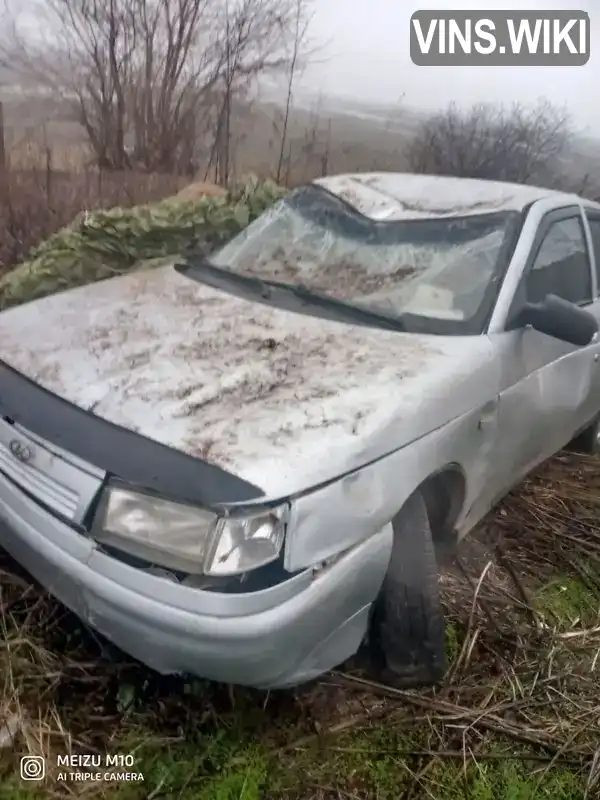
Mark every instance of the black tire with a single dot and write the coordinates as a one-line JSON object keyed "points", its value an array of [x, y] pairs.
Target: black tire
{"points": [[407, 635], [587, 442]]}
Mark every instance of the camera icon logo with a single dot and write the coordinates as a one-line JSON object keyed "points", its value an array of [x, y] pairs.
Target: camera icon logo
{"points": [[33, 768]]}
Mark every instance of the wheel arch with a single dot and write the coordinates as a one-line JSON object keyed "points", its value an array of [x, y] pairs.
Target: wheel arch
{"points": [[444, 493]]}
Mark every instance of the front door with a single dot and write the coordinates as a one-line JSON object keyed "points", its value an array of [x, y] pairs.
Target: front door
{"points": [[548, 388], [593, 222]]}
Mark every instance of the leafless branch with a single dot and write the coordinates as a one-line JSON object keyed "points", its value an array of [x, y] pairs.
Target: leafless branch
{"points": [[147, 77], [300, 28], [521, 144]]}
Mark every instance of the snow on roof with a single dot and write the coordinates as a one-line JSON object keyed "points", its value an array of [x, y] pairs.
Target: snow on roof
{"points": [[394, 196]]}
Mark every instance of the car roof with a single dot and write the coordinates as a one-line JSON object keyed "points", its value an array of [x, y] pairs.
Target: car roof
{"points": [[397, 196]]}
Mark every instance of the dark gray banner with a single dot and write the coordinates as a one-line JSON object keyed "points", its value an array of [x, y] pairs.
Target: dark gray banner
{"points": [[500, 38]]}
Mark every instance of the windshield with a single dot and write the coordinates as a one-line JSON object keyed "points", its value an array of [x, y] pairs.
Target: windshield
{"points": [[440, 273]]}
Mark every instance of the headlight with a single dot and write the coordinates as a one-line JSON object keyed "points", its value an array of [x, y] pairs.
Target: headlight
{"points": [[171, 534], [187, 538], [244, 543]]}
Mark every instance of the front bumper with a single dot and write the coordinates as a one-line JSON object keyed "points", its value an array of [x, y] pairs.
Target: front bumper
{"points": [[279, 637]]}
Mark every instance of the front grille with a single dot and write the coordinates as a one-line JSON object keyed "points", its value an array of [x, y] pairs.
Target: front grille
{"points": [[46, 490], [63, 484]]}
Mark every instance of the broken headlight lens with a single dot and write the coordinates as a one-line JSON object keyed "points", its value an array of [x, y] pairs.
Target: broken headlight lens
{"points": [[244, 543], [173, 535], [187, 538]]}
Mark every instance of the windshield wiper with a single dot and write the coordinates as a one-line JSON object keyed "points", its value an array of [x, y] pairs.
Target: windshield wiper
{"points": [[279, 294]]}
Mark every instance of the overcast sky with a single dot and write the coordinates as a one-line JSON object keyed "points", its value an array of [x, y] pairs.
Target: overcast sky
{"points": [[367, 57]]}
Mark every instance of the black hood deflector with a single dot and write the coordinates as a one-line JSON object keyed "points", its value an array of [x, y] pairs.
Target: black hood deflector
{"points": [[125, 454]]}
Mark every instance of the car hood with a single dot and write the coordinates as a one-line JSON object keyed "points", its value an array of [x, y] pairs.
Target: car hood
{"points": [[282, 400]]}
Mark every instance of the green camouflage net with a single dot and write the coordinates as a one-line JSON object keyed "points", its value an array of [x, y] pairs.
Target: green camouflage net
{"points": [[103, 244]]}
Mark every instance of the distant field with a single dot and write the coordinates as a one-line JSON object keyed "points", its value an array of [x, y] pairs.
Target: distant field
{"points": [[326, 135], [319, 138]]}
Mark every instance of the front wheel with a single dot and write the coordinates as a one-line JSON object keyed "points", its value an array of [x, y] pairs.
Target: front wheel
{"points": [[407, 635]]}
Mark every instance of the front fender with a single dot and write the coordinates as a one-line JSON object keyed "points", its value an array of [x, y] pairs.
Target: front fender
{"points": [[338, 516]]}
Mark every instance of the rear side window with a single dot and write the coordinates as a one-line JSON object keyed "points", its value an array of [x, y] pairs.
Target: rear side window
{"points": [[595, 231], [561, 265]]}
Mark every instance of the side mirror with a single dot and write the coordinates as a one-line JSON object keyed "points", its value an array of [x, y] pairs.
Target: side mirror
{"points": [[559, 318]]}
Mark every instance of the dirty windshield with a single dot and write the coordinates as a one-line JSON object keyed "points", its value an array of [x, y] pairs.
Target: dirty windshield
{"points": [[432, 268]]}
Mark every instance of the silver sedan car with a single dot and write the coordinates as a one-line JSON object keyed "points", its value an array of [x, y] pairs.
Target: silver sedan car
{"points": [[243, 466]]}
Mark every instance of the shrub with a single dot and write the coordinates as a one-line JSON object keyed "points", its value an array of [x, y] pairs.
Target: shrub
{"points": [[102, 244]]}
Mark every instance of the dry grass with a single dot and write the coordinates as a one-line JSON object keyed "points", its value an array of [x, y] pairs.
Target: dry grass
{"points": [[36, 202], [29, 154], [518, 716]]}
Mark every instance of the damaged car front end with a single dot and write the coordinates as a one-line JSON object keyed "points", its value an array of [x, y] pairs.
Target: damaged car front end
{"points": [[241, 467], [191, 582]]}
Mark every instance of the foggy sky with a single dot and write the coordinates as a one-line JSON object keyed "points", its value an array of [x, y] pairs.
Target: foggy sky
{"points": [[365, 55]]}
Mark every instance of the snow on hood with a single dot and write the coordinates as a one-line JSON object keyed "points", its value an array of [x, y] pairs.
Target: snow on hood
{"points": [[282, 400]]}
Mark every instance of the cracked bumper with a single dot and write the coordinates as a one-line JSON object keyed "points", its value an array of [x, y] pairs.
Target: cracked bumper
{"points": [[285, 635]]}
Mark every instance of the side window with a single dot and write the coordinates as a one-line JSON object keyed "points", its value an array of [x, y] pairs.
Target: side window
{"points": [[561, 265], [594, 223]]}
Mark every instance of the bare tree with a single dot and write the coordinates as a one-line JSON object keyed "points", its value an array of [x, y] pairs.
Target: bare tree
{"points": [[147, 75], [280, 26], [2, 143], [300, 30], [517, 143]]}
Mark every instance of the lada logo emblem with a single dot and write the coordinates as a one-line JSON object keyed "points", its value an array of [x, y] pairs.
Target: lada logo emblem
{"points": [[20, 451]]}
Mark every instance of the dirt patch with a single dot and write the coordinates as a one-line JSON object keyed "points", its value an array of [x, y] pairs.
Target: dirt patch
{"points": [[200, 189]]}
